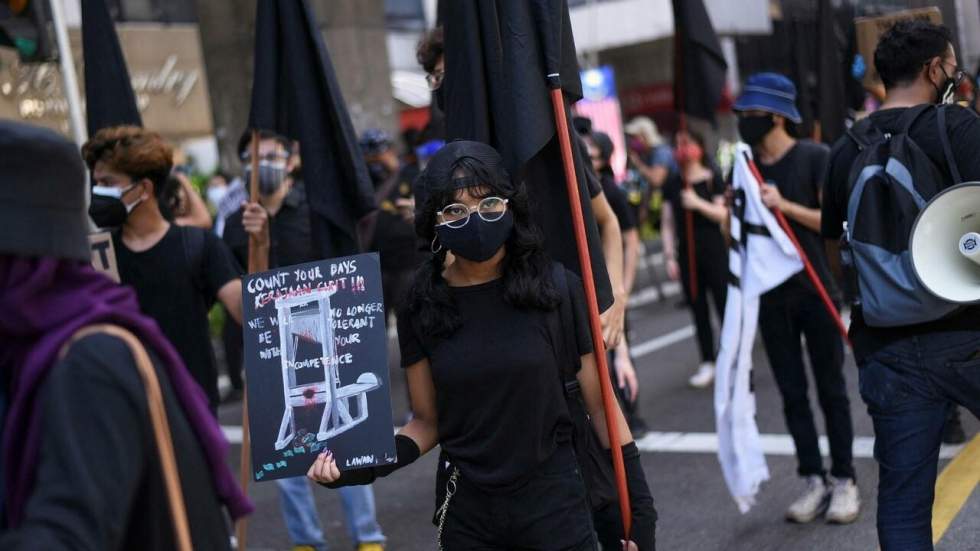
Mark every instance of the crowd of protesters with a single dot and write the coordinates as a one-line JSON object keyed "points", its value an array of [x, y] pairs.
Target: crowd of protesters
{"points": [[464, 267]]}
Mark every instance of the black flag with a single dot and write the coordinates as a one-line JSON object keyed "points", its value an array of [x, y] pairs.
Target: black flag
{"points": [[295, 93], [109, 97], [699, 66], [497, 56], [832, 101]]}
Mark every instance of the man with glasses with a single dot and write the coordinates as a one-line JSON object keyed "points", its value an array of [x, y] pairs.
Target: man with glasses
{"points": [[285, 217], [912, 375]]}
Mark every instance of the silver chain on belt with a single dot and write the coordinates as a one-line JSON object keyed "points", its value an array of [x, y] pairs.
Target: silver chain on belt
{"points": [[444, 508]]}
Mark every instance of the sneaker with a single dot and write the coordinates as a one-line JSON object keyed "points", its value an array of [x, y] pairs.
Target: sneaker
{"points": [[370, 546], [812, 503], [953, 432], [845, 503], [704, 376]]}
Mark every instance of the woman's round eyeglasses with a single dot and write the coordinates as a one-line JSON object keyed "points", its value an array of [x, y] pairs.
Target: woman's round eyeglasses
{"points": [[456, 215]]}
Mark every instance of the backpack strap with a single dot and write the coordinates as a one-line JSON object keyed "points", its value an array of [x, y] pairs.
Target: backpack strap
{"points": [[954, 170], [569, 359], [859, 133], [193, 241]]}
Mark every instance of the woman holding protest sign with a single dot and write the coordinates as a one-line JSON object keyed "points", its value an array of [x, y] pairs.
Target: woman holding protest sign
{"points": [[485, 348]]}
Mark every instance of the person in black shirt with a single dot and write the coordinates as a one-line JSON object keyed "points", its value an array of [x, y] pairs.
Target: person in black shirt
{"points": [[79, 463], [792, 170], [482, 345], [912, 375], [177, 271], [706, 199]]}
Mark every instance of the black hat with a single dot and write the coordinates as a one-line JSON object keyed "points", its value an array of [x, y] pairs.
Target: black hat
{"points": [[42, 194], [438, 173]]}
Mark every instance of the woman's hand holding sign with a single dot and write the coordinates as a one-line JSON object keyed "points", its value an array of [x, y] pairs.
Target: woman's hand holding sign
{"points": [[324, 470]]}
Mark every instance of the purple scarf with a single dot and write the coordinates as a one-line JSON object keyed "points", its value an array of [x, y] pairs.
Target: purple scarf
{"points": [[43, 302]]}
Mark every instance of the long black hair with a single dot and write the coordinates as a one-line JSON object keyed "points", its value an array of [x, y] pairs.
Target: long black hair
{"points": [[526, 268]]}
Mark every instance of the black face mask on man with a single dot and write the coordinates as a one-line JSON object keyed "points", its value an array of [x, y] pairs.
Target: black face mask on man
{"points": [[271, 175], [107, 208], [753, 129], [478, 240], [945, 92]]}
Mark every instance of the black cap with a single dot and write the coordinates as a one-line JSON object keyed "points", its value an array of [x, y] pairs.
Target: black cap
{"points": [[438, 173], [42, 194]]}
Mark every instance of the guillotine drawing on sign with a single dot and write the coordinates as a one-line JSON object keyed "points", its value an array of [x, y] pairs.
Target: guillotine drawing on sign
{"points": [[308, 355]]}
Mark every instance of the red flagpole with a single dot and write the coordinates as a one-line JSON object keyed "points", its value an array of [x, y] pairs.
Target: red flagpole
{"points": [[585, 263], [807, 265]]}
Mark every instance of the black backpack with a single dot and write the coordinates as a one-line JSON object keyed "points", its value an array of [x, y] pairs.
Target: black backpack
{"points": [[890, 182]]}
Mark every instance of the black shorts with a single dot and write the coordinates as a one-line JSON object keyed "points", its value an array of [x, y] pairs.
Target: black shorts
{"points": [[549, 512]]}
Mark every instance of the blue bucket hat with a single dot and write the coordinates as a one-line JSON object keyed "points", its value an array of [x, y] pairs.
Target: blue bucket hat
{"points": [[771, 92]]}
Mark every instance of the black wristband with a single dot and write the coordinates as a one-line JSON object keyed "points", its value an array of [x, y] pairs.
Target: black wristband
{"points": [[641, 501], [406, 450]]}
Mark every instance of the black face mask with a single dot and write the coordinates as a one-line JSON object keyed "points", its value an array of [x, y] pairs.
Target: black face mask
{"points": [[478, 240], [754, 129], [107, 208], [945, 92]]}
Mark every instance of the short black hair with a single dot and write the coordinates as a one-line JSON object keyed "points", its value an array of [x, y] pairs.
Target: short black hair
{"points": [[246, 140], [906, 47]]}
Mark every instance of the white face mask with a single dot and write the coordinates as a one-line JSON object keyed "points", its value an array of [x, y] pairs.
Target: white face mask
{"points": [[216, 194]]}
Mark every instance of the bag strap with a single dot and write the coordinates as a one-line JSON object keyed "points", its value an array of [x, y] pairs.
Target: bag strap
{"points": [[158, 419], [954, 170], [566, 316]]}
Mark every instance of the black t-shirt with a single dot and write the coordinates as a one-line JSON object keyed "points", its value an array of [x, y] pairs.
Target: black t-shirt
{"points": [[291, 241], [963, 130], [799, 177], [177, 281], [99, 483], [618, 201], [499, 397], [709, 242]]}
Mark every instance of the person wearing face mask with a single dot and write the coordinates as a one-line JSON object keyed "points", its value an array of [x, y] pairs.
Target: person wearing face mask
{"points": [[282, 198], [706, 199], [178, 272], [483, 348], [912, 375], [792, 170]]}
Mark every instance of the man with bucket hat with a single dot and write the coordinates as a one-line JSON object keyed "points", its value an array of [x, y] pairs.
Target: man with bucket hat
{"points": [[793, 173]]}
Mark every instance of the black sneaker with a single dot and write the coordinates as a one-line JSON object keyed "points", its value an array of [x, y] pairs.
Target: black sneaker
{"points": [[953, 430]]}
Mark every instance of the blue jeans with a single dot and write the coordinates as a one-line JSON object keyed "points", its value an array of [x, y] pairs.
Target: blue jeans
{"points": [[909, 387], [303, 524]]}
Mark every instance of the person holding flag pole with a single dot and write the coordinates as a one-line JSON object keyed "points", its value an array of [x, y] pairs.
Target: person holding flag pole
{"points": [[805, 306]]}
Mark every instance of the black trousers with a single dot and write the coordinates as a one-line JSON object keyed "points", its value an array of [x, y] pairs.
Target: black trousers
{"points": [[785, 317], [231, 339], [712, 278], [549, 512]]}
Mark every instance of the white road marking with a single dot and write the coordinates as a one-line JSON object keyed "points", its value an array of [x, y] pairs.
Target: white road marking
{"points": [[772, 444], [706, 442], [663, 341]]}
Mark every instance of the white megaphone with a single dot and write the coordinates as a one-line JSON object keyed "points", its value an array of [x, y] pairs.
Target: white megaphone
{"points": [[945, 244]]}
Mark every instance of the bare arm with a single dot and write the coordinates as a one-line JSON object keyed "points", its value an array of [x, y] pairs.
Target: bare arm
{"points": [[423, 428], [230, 295], [612, 250], [196, 213], [714, 210], [631, 254], [809, 218], [656, 175], [588, 379]]}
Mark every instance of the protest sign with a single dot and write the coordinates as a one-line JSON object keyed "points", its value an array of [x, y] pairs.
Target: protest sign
{"points": [[870, 29], [104, 254], [316, 366]]}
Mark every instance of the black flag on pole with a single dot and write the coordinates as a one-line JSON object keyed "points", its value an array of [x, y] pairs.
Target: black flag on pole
{"points": [[497, 54], [699, 71], [109, 97], [295, 93]]}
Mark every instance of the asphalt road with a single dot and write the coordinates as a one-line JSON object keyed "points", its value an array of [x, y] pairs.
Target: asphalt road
{"points": [[696, 512]]}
